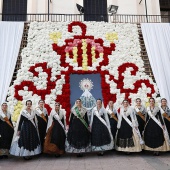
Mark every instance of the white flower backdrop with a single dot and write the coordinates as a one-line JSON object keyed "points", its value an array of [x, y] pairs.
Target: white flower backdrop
{"points": [[53, 49]]}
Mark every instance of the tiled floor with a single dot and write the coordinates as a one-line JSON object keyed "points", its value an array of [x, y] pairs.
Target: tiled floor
{"points": [[110, 161]]}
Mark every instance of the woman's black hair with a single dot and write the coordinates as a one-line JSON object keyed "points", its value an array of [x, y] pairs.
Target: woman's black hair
{"points": [[163, 99], [28, 102], [4, 104], [41, 101], [57, 103], [138, 99], [125, 100], [99, 99], [151, 99]]}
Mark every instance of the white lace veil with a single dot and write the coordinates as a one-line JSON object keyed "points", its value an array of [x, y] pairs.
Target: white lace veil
{"points": [[75, 105], [8, 113], [50, 117]]}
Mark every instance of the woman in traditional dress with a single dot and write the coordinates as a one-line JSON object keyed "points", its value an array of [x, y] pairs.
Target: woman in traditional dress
{"points": [[42, 117], [6, 131], [78, 136], [165, 111], [155, 135], [140, 112], [128, 137], [56, 134], [101, 137], [26, 139], [113, 118]]}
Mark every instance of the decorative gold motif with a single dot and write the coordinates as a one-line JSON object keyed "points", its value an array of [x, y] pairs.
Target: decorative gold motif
{"points": [[55, 36], [111, 37], [85, 59], [17, 109]]}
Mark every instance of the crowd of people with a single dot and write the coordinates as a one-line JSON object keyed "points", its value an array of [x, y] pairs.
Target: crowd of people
{"points": [[129, 129]]}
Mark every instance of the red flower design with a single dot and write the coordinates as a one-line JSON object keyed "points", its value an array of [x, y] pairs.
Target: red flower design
{"points": [[64, 99]]}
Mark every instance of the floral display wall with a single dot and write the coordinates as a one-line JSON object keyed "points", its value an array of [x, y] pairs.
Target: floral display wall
{"points": [[55, 50]]}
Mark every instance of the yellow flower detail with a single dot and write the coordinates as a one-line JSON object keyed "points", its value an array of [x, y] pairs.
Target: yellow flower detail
{"points": [[93, 54], [55, 36], [17, 109], [147, 103], [101, 54], [67, 54], [75, 54], [85, 59], [111, 37], [85, 68]]}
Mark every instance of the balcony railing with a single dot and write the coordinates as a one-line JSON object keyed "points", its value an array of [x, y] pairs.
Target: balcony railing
{"points": [[118, 18]]}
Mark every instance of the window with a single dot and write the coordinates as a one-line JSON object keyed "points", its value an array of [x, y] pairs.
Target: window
{"points": [[95, 10], [14, 10], [165, 10]]}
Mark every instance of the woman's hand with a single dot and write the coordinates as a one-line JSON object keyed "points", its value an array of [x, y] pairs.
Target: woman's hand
{"points": [[112, 115], [67, 127], [18, 133]]}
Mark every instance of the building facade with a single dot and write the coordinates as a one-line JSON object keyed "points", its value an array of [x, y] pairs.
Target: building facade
{"points": [[69, 6]]}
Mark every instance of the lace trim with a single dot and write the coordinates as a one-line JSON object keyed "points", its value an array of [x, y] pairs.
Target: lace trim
{"points": [[123, 143]]}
